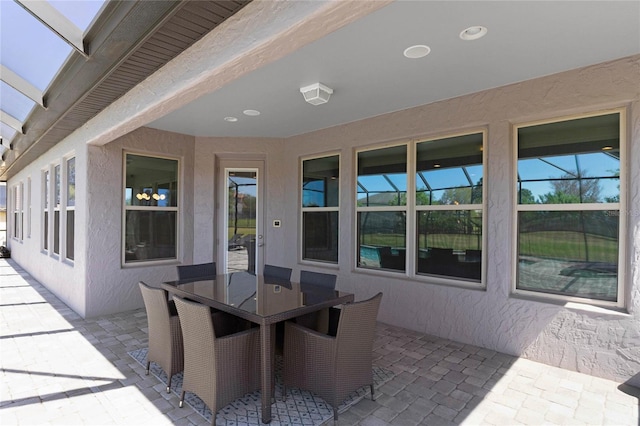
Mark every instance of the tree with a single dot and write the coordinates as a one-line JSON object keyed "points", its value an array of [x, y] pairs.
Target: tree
{"points": [[525, 196], [572, 189]]}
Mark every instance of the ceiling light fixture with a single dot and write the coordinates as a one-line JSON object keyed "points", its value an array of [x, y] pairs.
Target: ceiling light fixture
{"points": [[417, 51], [316, 93], [251, 112], [231, 119], [607, 148], [473, 33]]}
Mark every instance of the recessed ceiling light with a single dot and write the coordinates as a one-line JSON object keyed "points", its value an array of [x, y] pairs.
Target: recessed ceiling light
{"points": [[473, 33], [436, 166], [251, 112], [417, 51], [607, 148], [231, 119]]}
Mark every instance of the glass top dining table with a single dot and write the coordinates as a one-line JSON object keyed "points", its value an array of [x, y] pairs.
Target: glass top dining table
{"points": [[264, 301]]}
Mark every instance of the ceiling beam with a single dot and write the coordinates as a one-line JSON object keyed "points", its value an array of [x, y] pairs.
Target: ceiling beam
{"points": [[21, 85], [11, 121], [56, 22]]}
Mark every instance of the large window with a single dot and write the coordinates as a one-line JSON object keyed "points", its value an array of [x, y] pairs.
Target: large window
{"points": [[57, 179], [449, 177], [17, 211], [28, 209], [150, 209], [320, 208], [568, 208], [70, 209], [382, 208], [45, 210]]}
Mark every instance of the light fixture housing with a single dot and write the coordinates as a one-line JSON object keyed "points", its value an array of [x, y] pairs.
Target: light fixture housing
{"points": [[473, 33], [316, 94], [417, 51]]}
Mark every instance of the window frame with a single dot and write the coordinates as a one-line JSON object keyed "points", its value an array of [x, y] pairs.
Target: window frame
{"points": [[57, 209], [28, 201], [16, 214], [620, 207], [125, 209], [412, 211], [443, 279], [408, 212], [46, 210], [304, 210], [65, 210]]}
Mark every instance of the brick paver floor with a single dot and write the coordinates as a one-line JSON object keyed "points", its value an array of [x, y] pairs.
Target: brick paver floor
{"points": [[57, 368]]}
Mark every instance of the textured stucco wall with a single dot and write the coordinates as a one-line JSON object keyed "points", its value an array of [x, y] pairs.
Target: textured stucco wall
{"points": [[111, 287], [599, 342], [64, 278], [595, 341]]}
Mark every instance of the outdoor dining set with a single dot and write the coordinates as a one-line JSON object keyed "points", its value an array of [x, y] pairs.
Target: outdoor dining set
{"points": [[223, 332]]}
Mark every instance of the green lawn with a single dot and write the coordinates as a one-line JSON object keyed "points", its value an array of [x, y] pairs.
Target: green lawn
{"points": [[569, 245]]}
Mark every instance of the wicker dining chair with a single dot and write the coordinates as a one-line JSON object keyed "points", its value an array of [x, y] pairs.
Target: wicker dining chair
{"points": [[324, 283], [277, 272], [333, 367], [319, 279], [165, 334], [217, 369], [201, 270]]}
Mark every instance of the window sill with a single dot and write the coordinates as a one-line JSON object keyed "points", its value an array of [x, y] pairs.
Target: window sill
{"points": [[423, 279], [580, 307]]}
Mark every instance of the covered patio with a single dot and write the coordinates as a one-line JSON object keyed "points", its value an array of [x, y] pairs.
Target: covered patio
{"points": [[58, 368], [487, 182]]}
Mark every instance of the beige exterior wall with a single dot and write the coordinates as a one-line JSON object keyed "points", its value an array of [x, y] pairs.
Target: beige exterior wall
{"points": [[595, 341], [601, 342], [64, 278]]}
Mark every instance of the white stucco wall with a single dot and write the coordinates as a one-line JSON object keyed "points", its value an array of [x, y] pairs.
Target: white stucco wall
{"points": [[111, 287], [66, 279], [600, 342]]}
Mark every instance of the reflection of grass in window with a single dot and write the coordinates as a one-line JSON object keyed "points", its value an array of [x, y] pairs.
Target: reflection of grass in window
{"points": [[383, 240], [454, 241], [566, 245]]}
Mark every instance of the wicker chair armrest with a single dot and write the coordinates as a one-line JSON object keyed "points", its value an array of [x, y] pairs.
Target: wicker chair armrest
{"points": [[293, 328]]}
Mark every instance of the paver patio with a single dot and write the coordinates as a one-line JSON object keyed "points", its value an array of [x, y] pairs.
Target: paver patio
{"points": [[57, 368]]}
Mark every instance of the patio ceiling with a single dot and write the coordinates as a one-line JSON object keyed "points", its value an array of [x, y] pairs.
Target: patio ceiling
{"points": [[362, 62]]}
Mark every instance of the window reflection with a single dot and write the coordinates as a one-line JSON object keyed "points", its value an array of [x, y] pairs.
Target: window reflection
{"points": [[382, 177], [151, 181], [320, 182], [563, 248], [450, 243], [150, 235], [449, 171], [572, 162], [320, 208], [151, 200], [572, 253], [381, 240], [320, 236]]}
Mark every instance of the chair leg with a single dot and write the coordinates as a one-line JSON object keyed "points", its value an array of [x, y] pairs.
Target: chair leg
{"points": [[373, 397], [182, 400], [335, 415], [148, 364], [169, 385]]}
